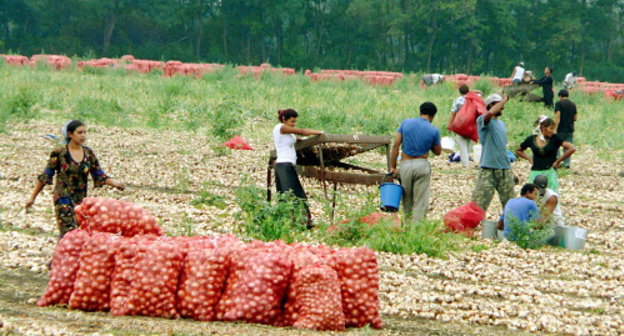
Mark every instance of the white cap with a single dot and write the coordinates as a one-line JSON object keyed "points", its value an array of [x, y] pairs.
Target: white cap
{"points": [[494, 97]]}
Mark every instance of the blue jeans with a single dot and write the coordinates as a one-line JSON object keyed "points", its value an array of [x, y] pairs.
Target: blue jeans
{"points": [[569, 137]]}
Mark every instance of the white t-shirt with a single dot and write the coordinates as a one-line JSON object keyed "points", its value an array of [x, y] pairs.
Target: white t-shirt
{"points": [[569, 80], [437, 78], [284, 145], [557, 215], [518, 72]]}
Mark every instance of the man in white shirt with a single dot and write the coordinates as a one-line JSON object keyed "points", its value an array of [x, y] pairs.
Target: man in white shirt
{"points": [[518, 73], [569, 81], [549, 201], [430, 79]]}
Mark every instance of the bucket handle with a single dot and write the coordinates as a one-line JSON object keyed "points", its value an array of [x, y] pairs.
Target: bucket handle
{"points": [[386, 176]]}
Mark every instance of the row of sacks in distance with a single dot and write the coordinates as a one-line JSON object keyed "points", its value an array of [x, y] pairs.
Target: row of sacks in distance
{"points": [[197, 70], [216, 279]]}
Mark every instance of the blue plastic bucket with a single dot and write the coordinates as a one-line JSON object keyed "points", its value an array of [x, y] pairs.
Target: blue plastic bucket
{"points": [[390, 194]]}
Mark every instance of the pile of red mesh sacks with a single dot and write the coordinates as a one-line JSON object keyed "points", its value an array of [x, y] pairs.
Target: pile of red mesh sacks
{"points": [[208, 278], [57, 62], [384, 78]]}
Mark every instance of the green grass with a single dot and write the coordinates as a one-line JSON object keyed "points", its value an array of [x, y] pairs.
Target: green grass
{"points": [[223, 103]]}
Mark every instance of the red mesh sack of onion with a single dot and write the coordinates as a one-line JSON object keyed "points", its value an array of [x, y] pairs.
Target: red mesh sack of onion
{"points": [[65, 265], [97, 262], [155, 279], [314, 300], [359, 281], [258, 277], [125, 272], [114, 216]]}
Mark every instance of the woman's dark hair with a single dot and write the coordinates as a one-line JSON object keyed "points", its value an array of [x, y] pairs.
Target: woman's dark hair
{"points": [[464, 89], [527, 188], [71, 127], [286, 114], [544, 123], [550, 69]]}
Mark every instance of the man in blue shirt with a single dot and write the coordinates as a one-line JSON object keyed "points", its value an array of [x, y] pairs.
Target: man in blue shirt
{"points": [[520, 210], [418, 137], [495, 172]]}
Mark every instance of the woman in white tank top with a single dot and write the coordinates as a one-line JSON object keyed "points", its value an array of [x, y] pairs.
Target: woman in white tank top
{"points": [[284, 138]]}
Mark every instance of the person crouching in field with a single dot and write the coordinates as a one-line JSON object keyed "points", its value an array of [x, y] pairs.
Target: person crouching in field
{"points": [[72, 164], [417, 137], [286, 178], [521, 210], [495, 172], [545, 146]]}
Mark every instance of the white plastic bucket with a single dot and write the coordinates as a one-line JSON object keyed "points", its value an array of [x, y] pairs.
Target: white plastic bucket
{"points": [[489, 229], [574, 238], [448, 144], [476, 153]]}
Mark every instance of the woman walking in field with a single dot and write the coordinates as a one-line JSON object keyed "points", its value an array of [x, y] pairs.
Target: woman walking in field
{"points": [[545, 145], [71, 164], [546, 82], [284, 138]]}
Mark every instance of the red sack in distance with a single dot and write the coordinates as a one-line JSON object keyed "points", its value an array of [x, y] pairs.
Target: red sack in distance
{"points": [[237, 142], [465, 122], [465, 217]]}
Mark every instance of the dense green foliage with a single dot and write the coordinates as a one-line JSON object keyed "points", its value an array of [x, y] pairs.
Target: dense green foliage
{"points": [[470, 36]]}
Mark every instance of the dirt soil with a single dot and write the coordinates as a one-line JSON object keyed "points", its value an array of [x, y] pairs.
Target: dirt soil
{"points": [[487, 289]]}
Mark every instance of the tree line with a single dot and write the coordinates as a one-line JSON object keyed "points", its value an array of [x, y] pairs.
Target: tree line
{"points": [[445, 36]]}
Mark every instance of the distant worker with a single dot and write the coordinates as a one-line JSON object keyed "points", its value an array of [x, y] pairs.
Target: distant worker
{"points": [[518, 73], [569, 81], [520, 210], [417, 137], [546, 82], [565, 116], [545, 146], [431, 79], [548, 201], [495, 172], [464, 143]]}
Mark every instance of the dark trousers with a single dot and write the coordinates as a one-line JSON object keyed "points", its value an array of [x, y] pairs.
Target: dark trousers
{"points": [[286, 179], [569, 137]]}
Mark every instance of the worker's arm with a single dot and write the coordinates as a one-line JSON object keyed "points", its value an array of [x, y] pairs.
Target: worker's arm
{"points": [[300, 131], [40, 185], [549, 206], [557, 119], [495, 109], [453, 114], [520, 152], [436, 149], [569, 150], [575, 116], [394, 153], [540, 81]]}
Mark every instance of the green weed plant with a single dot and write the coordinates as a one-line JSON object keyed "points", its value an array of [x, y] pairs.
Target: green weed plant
{"points": [[283, 218], [529, 235]]}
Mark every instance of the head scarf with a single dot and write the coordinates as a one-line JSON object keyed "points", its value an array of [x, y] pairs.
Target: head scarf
{"points": [[66, 138], [538, 128]]}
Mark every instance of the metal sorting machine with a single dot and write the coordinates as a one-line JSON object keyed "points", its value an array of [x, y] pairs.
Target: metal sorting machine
{"points": [[320, 157]]}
